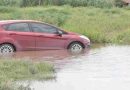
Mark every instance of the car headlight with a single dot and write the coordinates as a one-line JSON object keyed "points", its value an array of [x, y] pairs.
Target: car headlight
{"points": [[84, 37]]}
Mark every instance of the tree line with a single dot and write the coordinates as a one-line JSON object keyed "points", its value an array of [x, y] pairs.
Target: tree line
{"points": [[75, 3]]}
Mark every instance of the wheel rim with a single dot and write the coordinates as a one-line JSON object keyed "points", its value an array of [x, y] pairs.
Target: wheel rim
{"points": [[76, 48], [6, 49]]}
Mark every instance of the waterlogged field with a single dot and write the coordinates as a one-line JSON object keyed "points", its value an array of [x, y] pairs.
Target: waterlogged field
{"points": [[103, 67], [101, 25]]}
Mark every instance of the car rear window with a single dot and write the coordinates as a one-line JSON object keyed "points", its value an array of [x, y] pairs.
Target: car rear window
{"points": [[20, 27]]}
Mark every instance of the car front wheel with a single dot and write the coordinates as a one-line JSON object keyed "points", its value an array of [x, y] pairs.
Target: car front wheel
{"points": [[76, 47]]}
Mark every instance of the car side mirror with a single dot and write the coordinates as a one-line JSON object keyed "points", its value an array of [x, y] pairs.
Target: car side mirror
{"points": [[60, 33]]}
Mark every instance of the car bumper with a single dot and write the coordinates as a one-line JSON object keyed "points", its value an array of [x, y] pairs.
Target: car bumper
{"points": [[87, 44]]}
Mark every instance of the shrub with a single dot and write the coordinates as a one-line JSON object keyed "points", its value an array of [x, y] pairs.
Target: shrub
{"points": [[119, 3]]}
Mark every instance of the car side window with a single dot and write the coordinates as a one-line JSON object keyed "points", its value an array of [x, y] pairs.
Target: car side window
{"points": [[20, 27], [43, 28]]}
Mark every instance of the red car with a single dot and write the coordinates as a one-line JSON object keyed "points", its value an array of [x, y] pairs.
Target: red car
{"points": [[17, 35]]}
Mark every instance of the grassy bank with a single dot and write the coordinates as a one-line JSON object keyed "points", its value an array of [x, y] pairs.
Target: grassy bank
{"points": [[101, 25], [12, 71]]}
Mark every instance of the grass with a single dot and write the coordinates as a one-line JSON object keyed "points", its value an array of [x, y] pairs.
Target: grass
{"points": [[101, 25], [12, 71]]}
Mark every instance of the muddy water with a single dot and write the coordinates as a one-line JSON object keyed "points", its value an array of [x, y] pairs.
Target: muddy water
{"points": [[100, 68]]}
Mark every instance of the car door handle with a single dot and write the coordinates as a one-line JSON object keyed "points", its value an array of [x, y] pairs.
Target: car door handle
{"points": [[41, 36], [12, 34]]}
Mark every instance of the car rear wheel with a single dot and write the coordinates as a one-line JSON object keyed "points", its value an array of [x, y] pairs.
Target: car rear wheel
{"points": [[6, 49], [76, 47]]}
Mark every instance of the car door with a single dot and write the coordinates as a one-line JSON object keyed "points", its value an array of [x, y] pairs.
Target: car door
{"points": [[47, 37], [21, 34]]}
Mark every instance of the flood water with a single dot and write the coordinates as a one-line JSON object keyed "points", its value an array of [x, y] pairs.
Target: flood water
{"points": [[104, 67]]}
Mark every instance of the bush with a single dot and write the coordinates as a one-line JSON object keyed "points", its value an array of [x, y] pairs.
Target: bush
{"points": [[119, 3]]}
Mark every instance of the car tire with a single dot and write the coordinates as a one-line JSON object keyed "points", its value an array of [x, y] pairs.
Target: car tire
{"points": [[6, 49], [76, 47]]}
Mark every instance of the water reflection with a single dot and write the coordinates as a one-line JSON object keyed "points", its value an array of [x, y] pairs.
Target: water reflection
{"points": [[104, 68], [45, 55]]}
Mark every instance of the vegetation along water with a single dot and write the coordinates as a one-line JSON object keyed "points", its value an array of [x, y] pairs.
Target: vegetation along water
{"points": [[103, 21], [101, 25]]}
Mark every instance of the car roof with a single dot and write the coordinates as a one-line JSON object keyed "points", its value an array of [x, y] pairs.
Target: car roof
{"points": [[3, 22], [15, 21]]}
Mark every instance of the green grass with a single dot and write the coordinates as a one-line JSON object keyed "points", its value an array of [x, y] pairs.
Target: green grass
{"points": [[101, 25], [12, 71]]}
